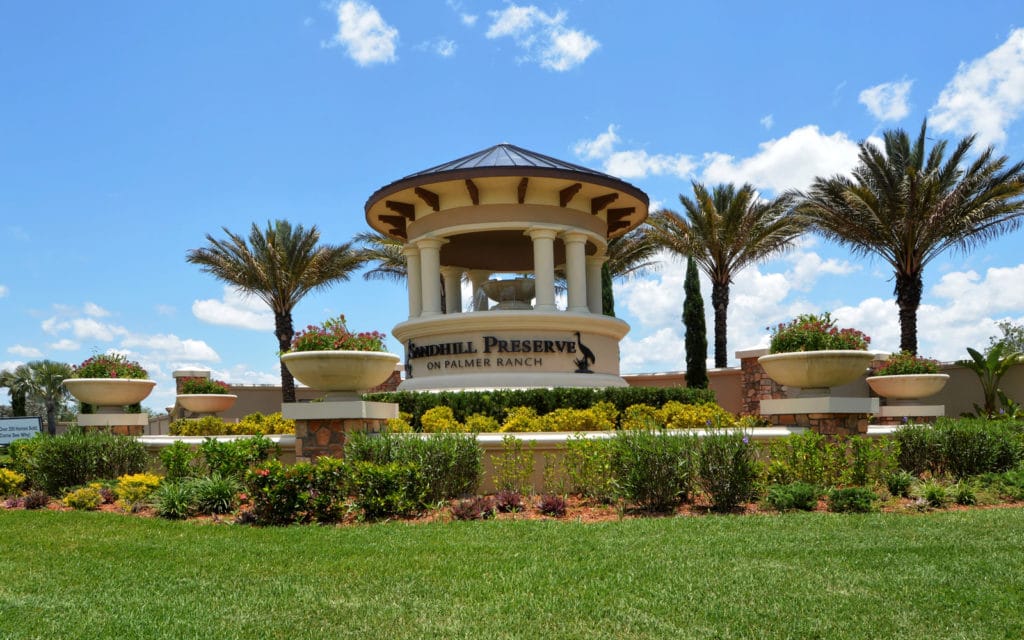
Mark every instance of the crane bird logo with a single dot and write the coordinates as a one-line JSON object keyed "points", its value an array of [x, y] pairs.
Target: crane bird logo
{"points": [[583, 364]]}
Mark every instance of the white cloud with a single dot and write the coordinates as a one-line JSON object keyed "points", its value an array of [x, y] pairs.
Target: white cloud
{"points": [[768, 121], [467, 19], [635, 163], [165, 310], [663, 350], [887, 101], [792, 161], [25, 352], [95, 310], [54, 325], [367, 38], [235, 309], [66, 344], [985, 95], [544, 37], [3, 290], [10, 365], [171, 347], [88, 328], [445, 48]]}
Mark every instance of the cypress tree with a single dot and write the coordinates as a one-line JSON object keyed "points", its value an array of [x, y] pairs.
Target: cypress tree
{"points": [[607, 295], [696, 330]]}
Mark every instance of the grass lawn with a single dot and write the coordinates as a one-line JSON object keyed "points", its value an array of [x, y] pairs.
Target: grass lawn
{"points": [[95, 575]]}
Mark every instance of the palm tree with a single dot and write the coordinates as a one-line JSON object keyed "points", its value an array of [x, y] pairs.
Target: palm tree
{"points": [[725, 230], [9, 379], [907, 205], [386, 253], [280, 265], [629, 254], [42, 381]]}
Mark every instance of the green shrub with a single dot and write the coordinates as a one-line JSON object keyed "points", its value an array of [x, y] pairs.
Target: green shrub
{"points": [[795, 495], [179, 460], [727, 469], [513, 466], [10, 482], [807, 457], [810, 332], [204, 426], [972, 447], [588, 463], [899, 483], [1009, 484], [641, 416], [496, 403], [215, 494], [601, 417], [963, 493], [851, 500], [871, 460], [385, 490], [302, 492], [55, 463], [452, 463], [174, 500], [401, 424], [85, 498], [521, 420], [919, 449], [232, 458], [251, 425], [653, 469], [479, 423]]}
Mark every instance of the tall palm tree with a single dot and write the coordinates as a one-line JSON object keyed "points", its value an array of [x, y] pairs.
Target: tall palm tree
{"points": [[907, 205], [279, 264], [725, 230], [629, 254], [42, 381], [9, 379], [386, 253]]}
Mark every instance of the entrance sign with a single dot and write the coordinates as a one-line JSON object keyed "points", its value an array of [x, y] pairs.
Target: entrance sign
{"points": [[12, 429]]}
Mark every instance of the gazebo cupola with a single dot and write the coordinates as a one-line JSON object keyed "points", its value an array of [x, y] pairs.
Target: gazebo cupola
{"points": [[512, 222]]}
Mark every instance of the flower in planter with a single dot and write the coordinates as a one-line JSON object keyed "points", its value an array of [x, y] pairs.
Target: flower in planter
{"points": [[109, 365], [810, 332], [906, 363], [333, 335], [190, 386]]}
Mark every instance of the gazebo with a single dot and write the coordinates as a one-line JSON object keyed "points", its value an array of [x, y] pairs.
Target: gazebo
{"points": [[513, 223]]}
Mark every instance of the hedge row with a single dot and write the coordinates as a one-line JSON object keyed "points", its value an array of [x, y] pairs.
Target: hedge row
{"points": [[496, 403]]}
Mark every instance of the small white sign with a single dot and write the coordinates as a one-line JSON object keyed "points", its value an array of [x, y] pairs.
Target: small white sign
{"points": [[12, 429]]}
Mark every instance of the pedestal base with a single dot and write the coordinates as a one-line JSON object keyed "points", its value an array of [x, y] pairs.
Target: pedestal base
{"points": [[827, 415], [122, 424], [321, 428]]}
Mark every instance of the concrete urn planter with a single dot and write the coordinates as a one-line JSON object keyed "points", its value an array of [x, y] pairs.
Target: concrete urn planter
{"points": [[206, 402], [908, 386], [816, 369], [109, 392], [341, 374]]}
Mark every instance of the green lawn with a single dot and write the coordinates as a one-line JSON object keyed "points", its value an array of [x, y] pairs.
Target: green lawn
{"points": [[94, 575]]}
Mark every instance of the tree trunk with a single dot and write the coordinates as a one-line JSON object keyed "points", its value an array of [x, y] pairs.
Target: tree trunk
{"points": [[51, 417], [908, 298], [18, 403], [607, 293], [720, 302], [285, 332]]}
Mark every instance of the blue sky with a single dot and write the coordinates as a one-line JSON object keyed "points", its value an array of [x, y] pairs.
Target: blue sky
{"points": [[128, 131]]}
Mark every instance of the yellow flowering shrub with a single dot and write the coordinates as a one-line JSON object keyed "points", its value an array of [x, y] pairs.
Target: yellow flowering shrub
{"points": [[676, 415], [86, 498], [10, 482], [519, 419], [401, 424], [600, 417], [262, 424], [134, 488], [641, 416], [479, 423], [440, 420]]}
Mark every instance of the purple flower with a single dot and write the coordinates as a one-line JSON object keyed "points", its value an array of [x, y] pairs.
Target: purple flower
{"points": [[746, 440]]}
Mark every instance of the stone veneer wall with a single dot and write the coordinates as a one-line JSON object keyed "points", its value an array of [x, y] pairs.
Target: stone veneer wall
{"points": [[318, 438], [756, 384]]}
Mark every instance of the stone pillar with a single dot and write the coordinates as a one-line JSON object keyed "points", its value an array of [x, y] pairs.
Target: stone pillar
{"points": [[321, 428], [452, 289], [430, 265], [478, 277], [576, 270], [544, 266], [413, 280], [595, 301]]}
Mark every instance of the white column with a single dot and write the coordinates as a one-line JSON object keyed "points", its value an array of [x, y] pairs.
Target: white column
{"points": [[594, 284], [478, 277], [413, 280], [452, 289], [430, 266], [544, 267], [576, 270]]}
